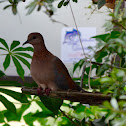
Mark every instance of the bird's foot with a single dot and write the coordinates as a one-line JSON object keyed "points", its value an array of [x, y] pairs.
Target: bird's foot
{"points": [[47, 91], [39, 91]]}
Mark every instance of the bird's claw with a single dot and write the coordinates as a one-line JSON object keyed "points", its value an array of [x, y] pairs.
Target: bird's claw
{"points": [[39, 91], [47, 91]]}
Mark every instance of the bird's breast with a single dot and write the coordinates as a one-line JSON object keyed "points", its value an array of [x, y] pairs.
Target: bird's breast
{"points": [[41, 71]]}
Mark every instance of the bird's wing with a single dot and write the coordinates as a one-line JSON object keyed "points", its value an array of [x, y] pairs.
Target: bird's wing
{"points": [[62, 77]]}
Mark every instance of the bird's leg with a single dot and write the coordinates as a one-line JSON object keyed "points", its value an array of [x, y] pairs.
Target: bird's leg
{"points": [[47, 91], [39, 91]]}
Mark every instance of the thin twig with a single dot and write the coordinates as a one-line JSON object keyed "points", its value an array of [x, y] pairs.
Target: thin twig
{"points": [[68, 117], [55, 21], [89, 85], [83, 70]]}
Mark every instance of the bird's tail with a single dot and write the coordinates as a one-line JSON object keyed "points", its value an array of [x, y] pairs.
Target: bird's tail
{"points": [[78, 87]]}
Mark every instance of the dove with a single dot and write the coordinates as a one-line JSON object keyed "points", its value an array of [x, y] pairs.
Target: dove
{"points": [[47, 70]]}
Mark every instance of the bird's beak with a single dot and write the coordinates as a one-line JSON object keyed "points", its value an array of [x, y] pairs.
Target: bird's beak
{"points": [[25, 42]]}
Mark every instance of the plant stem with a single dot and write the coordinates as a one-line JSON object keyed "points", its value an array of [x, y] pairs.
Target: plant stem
{"points": [[68, 118]]}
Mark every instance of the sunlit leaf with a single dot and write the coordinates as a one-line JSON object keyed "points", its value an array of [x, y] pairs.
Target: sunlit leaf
{"points": [[29, 119], [16, 95], [9, 105], [16, 117]]}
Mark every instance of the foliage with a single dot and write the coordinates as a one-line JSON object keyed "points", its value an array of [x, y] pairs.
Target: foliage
{"points": [[109, 79], [16, 54]]}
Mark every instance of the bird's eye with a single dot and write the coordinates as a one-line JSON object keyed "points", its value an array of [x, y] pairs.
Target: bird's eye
{"points": [[34, 37]]}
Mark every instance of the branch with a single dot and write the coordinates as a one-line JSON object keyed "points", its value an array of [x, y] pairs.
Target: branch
{"points": [[74, 96]]}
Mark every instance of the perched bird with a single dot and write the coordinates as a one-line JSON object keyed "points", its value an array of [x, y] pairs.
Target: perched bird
{"points": [[47, 70]]}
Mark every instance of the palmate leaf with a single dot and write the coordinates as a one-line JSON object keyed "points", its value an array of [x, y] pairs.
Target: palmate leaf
{"points": [[14, 44], [4, 43], [24, 61], [16, 95], [6, 61], [23, 49], [19, 68], [9, 105]]}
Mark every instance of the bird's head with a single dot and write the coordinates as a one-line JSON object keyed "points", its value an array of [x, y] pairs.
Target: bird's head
{"points": [[34, 39]]}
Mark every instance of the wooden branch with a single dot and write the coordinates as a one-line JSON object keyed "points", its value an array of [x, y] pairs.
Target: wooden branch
{"points": [[74, 96]]}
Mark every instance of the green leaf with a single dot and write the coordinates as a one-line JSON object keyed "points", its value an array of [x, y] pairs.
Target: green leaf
{"points": [[19, 68], [78, 64], [9, 105], [45, 110], [4, 43], [24, 61], [7, 6], [6, 61], [16, 95], [29, 119], [101, 3], [14, 44], [24, 54], [117, 8], [66, 3], [100, 54], [42, 114], [60, 4], [16, 117], [103, 37], [3, 48], [23, 49], [1, 73], [1, 117], [52, 104], [10, 83], [101, 70], [31, 7], [75, 1]]}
